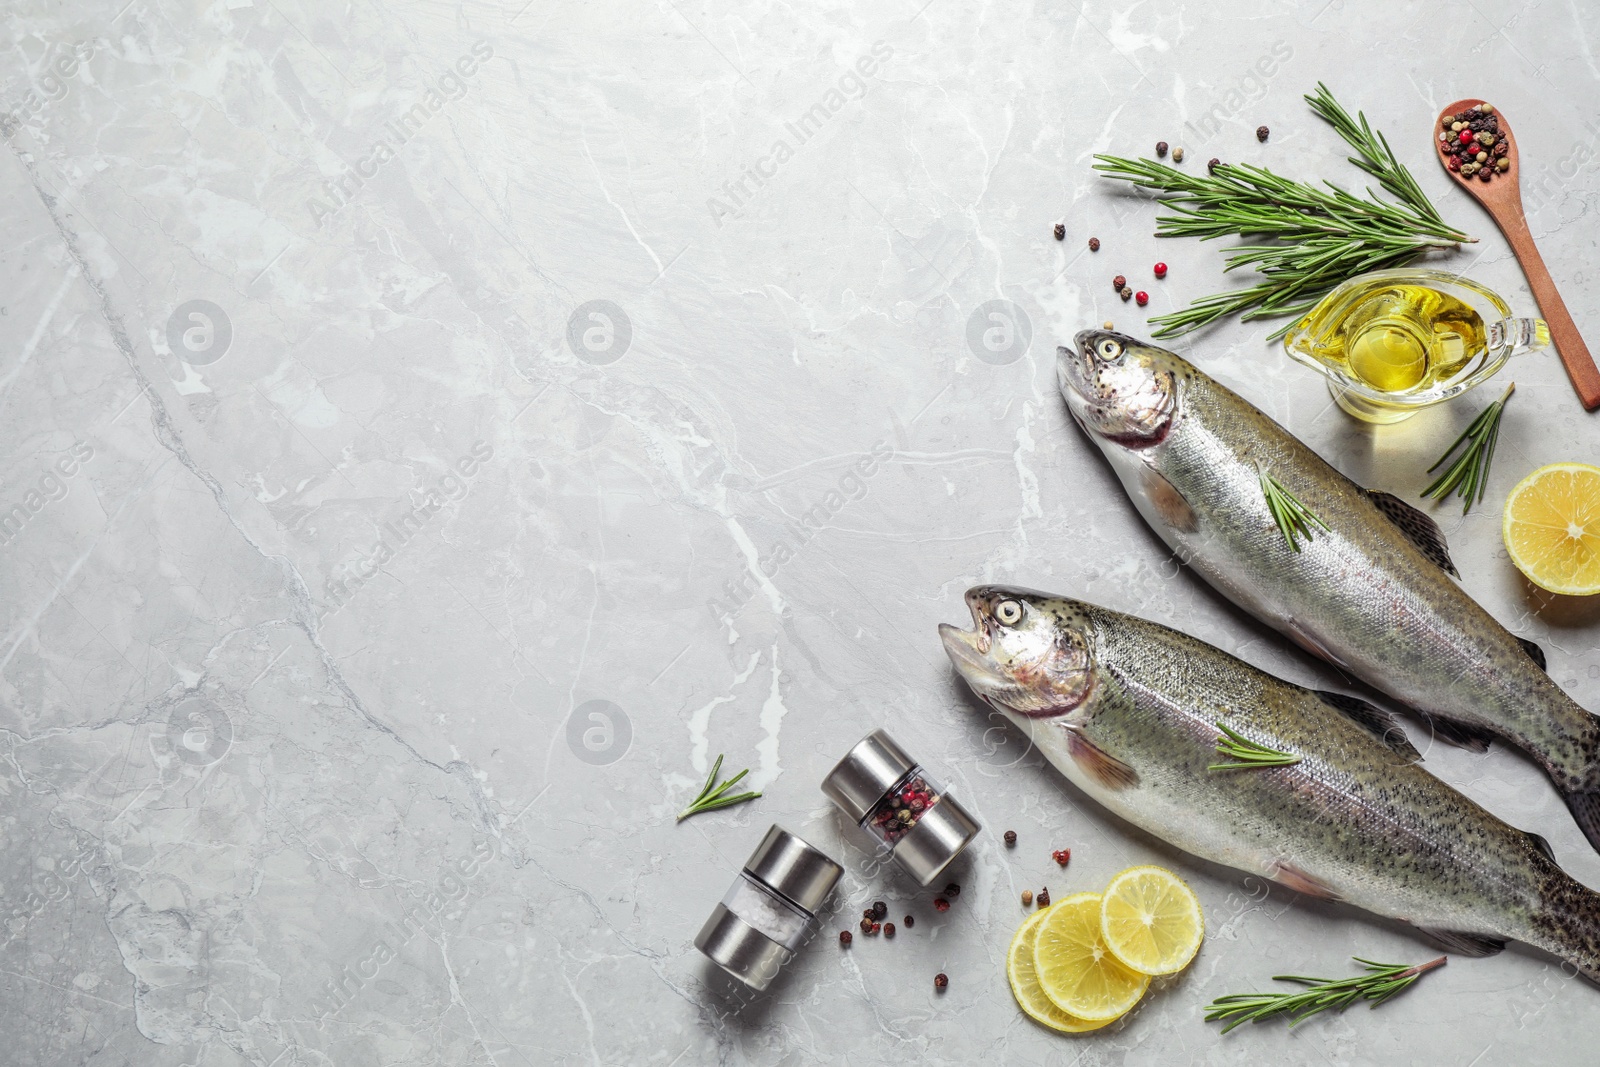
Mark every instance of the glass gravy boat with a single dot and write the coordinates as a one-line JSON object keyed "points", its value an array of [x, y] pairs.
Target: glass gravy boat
{"points": [[1391, 342]]}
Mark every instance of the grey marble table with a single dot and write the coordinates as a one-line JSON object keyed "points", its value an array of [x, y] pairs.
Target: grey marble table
{"points": [[433, 432]]}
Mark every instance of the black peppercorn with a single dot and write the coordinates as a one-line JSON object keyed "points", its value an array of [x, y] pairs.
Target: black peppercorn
{"points": [[941, 980], [1119, 283], [910, 921], [1011, 835], [1061, 231], [879, 909], [952, 890], [1262, 133], [1161, 150], [845, 938], [1212, 164], [888, 929], [1094, 244]]}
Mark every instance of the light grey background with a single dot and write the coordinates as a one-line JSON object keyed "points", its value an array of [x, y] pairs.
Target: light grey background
{"points": [[227, 781]]}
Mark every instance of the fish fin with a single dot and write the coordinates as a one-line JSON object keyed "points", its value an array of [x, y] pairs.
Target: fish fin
{"points": [[1471, 738], [1585, 807], [1381, 724], [1462, 943], [1538, 842], [1300, 637], [1534, 652], [1109, 771], [1291, 877], [1419, 529], [1169, 503]]}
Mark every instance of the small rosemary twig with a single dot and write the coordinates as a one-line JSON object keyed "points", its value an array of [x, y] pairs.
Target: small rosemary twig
{"points": [[1247, 754], [1469, 474], [714, 796], [1292, 517], [1382, 981]]}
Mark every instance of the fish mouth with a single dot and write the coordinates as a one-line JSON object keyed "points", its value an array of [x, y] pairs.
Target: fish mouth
{"points": [[969, 650]]}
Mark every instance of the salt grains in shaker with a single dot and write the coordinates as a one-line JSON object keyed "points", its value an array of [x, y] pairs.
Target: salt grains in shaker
{"points": [[770, 909], [889, 795]]}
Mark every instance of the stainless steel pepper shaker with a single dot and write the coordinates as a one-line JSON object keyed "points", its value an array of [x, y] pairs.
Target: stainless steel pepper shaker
{"points": [[888, 794]]}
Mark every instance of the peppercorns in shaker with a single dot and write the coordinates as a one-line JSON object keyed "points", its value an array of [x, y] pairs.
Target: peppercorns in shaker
{"points": [[770, 909], [886, 793]]}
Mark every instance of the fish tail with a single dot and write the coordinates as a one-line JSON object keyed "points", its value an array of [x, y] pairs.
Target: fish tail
{"points": [[1569, 922], [1584, 803]]}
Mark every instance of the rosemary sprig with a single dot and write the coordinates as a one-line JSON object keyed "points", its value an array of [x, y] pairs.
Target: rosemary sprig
{"points": [[1318, 235], [1292, 517], [1248, 754], [1382, 981], [714, 796], [1469, 474]]}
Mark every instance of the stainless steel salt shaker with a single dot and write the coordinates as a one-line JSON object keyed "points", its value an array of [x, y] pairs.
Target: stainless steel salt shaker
{"points": [[770, 909], [888, 794]]}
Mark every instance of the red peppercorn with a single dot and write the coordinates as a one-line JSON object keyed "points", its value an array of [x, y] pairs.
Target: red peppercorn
{"points": [[845, 938], [1455, 163], [910, 921], [1141, 297], [875, 928], [1063, 856], [1161, 270], [941, 904], [888, 929], [1466, 137], [1094, 244], [941, 980]]}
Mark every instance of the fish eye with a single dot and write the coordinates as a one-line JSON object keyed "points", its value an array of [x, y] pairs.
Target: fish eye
{"points": [[1109, 349], [1009, 612]]}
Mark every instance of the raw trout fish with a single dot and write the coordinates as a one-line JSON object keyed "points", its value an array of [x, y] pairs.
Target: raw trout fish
{"points": [[1372, 594], [1130, 712]]}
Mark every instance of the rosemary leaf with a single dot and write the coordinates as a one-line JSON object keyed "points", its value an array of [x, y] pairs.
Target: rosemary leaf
{"points": [[1247, 754], [1468, 476], [1382, 981], [1294, 519], [1318, 235], [715, 795]]}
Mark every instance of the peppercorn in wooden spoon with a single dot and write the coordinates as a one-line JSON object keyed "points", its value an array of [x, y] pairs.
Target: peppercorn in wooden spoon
{"points": [[1476, 147]]}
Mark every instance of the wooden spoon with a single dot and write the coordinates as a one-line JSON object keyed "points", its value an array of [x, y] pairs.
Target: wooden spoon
{"points": [[1502, 199]]}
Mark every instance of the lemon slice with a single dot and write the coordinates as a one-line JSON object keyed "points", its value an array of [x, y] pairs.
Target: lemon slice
{"points": [[1151, 920], [1552, 528], [1076, 970], [1025, 982]]}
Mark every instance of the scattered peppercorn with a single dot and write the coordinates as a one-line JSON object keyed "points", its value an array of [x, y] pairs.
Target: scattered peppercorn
{"points": [[1212, 164], [941, 904], [1262, 133], [1141, 297], [888, 929], [952, 890], [1126, 294], [845, 938], [1011, 838], [1062, 856], [1177, 155], [910, 921], [1108, 325], [1044, 897], [1027, 897], [1161, 270], [875, 928], [879, 909], [1061, 232], [1094, 244], [866, 926], [1119, 283], [1161, 150], [1502, 165], [941, 980]]}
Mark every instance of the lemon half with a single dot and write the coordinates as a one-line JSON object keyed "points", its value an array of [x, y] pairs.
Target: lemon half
{"points": [[1551, 528]]}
